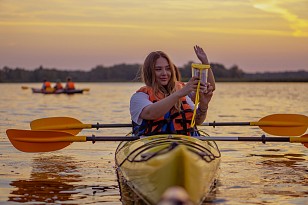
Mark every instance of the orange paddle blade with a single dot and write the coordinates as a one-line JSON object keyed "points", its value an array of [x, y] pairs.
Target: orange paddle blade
{"points": [[284, 124], [65, 124], [37, 141]]}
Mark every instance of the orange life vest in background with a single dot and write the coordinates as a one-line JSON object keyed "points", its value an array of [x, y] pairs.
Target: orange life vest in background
{"points": [[58, 86], [173, 122], [70, 85], [47, 85]]}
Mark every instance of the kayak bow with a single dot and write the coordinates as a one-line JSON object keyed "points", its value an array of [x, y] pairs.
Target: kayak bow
{"points": [[149, 166]]}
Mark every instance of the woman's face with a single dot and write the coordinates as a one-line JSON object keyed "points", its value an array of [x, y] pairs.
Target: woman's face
{"points": [[162, 71]]}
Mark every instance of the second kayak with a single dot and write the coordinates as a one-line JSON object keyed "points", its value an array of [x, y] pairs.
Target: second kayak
{"points": [[62, 91]]}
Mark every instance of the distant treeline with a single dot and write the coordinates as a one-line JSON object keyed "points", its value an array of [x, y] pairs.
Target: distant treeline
{"points": [[129, 73]]}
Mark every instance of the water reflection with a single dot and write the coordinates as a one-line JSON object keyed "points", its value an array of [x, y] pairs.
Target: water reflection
{"points": [[288, 171], [252, 173], [50, 181]]}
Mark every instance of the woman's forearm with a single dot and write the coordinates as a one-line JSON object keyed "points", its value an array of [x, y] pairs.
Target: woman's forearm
{"points": [[211, 78], [201, 115], [160, 108]]}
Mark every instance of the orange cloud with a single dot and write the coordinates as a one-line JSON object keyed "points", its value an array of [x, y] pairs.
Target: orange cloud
{"points": [[279, 7]]}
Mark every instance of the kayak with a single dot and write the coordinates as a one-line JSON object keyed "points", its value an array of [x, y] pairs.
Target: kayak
{"points": [[147, 167], [52, 91]]}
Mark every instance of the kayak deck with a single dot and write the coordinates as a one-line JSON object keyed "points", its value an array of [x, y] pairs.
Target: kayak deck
{"points": [[149, 166]]}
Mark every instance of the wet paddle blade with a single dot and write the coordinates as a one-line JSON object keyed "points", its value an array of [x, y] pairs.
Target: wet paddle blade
{"points": [[33, 141], [65, 124], [284, 124]]}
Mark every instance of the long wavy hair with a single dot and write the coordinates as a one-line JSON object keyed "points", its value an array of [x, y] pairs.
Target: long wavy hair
{"points": [[149, 78]]}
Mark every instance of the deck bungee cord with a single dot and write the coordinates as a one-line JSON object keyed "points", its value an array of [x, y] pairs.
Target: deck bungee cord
{"points": [[140, 154]]}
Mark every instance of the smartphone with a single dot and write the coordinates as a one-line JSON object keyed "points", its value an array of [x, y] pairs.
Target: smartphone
{"points": [[201, 73]]}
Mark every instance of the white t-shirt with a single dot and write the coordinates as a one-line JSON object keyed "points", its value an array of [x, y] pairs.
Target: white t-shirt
{"points": [[140, 100]]}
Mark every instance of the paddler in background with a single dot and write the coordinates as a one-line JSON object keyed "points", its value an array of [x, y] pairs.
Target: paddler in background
{"points": [[163, 106], [46, 85], [58, 85], [69, 84]]}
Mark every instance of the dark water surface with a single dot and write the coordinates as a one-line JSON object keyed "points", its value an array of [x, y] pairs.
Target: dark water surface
{"points": [[83, 173]]}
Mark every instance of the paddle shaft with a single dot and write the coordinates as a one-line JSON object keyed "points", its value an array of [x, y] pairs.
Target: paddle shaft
{"points": [[97, 126], [94, 138], [274, 124], [263, 139], [226, 124], [46, 141], [204, 124], [263, 123], [81, 126]]}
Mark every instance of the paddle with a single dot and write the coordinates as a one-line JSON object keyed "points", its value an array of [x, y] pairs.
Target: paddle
{"points": [[45, 141], [48, 89], [68, 124], [276, 124]]}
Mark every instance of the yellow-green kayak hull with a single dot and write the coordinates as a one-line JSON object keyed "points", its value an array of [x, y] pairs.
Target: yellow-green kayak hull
{"points": [[151, 165]]}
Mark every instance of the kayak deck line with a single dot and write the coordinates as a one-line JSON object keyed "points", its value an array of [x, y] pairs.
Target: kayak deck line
{"points": [[168, 145]]}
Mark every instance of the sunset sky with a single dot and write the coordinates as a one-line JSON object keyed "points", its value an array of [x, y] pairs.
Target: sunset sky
{"points": [[256, 35]]}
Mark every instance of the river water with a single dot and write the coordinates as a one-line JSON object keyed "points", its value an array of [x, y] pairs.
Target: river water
{"points": [[83, 173]]}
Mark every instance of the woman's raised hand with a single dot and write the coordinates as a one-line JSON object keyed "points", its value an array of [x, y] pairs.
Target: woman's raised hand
{"points": [[201, 54]]}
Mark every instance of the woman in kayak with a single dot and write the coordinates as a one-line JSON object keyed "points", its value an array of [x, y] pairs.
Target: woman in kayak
{"points": [[162, 106]]}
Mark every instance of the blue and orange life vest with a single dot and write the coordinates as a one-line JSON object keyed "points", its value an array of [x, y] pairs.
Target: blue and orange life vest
{"points": [[46, 84], [173, 122]]}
